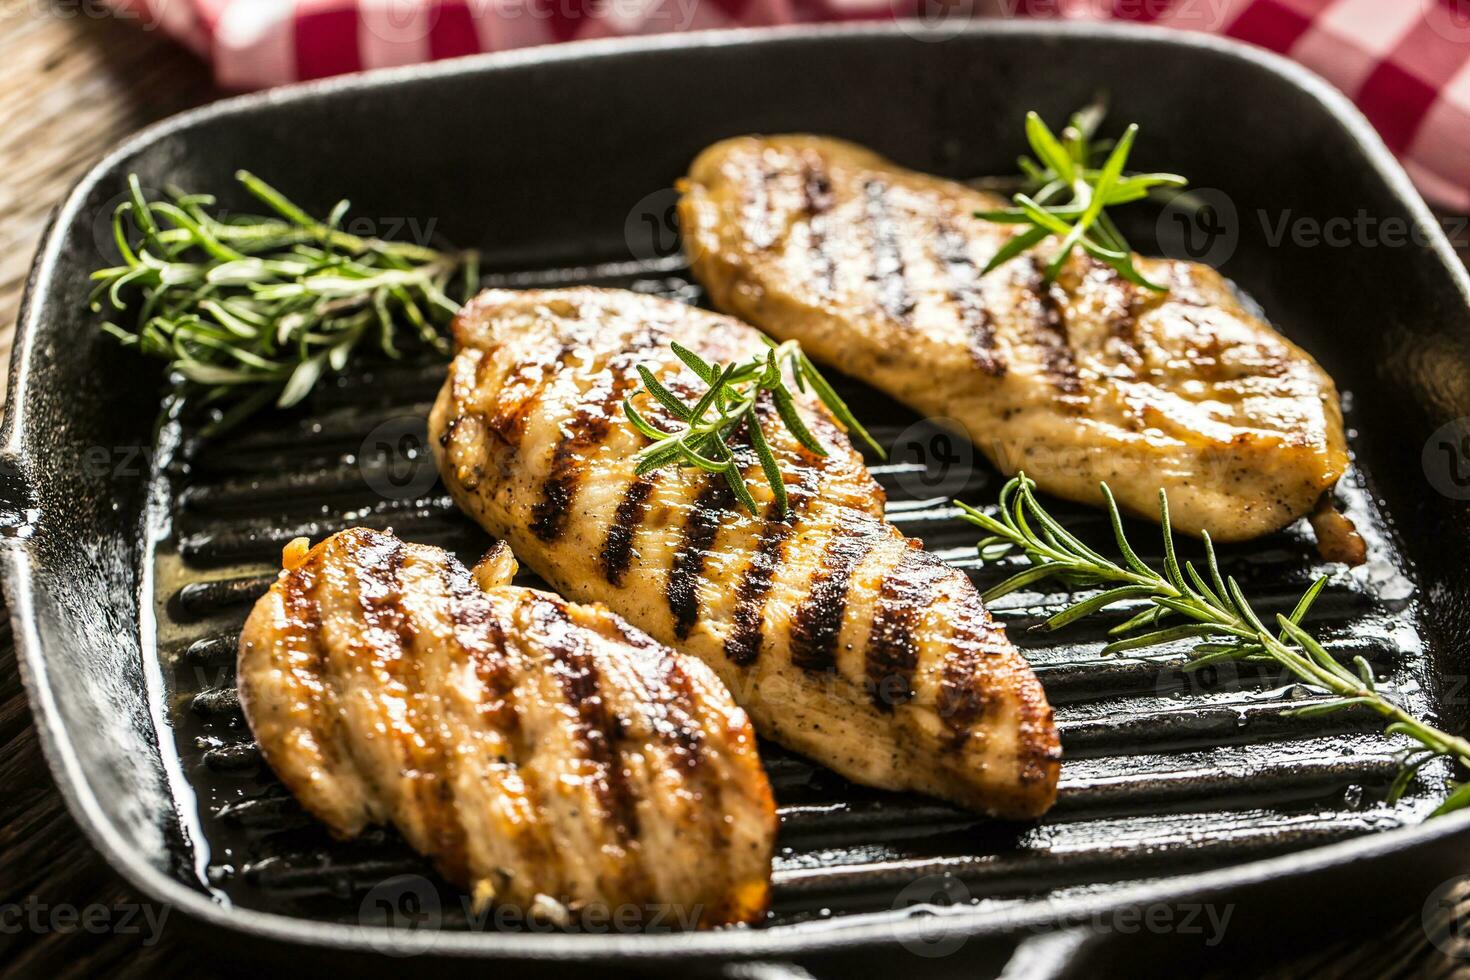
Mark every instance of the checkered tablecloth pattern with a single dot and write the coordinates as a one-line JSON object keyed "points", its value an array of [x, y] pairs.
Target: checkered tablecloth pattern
{"points": [[1406, 63]]}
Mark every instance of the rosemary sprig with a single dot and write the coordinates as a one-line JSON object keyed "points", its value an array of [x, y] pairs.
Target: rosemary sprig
{"points": [[703, 429], [251, 309], [1068, 193], [1208, 609]]}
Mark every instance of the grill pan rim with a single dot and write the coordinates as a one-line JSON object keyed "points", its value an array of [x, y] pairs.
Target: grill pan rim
{"points": [[91, 814]]}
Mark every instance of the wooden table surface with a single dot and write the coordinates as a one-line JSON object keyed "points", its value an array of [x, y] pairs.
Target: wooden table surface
{"points": [[71, 85]]}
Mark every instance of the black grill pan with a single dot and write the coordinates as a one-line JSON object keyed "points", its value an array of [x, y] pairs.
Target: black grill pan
{"points": [[133, 550]]}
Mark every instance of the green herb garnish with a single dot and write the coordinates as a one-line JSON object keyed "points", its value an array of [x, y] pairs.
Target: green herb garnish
{"points": [[1209, 610], [251, 309], [1067, 193], [705, 427]]}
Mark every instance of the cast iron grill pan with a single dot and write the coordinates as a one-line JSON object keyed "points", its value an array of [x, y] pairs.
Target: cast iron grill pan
{"points": [[1167, 771], [127, 584]]}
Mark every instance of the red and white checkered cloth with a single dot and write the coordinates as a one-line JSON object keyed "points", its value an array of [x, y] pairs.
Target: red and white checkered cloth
{"points": [[1406, 63]]}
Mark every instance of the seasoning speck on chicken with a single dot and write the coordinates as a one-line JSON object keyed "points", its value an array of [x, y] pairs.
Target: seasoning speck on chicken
{"points": [[545, 755]]}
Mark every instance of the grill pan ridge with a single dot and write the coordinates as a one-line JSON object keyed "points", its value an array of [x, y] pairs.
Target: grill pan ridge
{"points": [[1175, 783]]}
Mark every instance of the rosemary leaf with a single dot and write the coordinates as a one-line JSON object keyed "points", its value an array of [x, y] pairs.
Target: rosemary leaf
{"points": [[1218, 619], [1066, 196], [250, 309], [702, 431]]}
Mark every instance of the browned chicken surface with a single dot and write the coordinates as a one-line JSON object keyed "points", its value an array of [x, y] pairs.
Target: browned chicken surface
{"points": [[545, 755], [844, 640], [877, 270]]}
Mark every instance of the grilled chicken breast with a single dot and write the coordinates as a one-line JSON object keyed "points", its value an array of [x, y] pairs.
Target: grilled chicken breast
{"points": [[843, 639], [876, 270], [545, 755]]}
